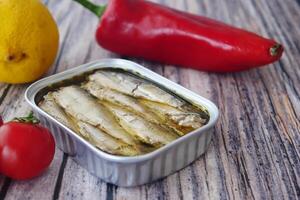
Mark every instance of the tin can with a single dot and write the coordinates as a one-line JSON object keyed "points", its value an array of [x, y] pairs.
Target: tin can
{"points": [[118, 170]]}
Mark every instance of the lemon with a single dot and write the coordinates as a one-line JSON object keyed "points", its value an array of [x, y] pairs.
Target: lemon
{"points": [[29, 40]]}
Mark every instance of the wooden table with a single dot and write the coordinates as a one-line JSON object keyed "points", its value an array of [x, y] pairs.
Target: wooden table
{"points": [[255, 151]]}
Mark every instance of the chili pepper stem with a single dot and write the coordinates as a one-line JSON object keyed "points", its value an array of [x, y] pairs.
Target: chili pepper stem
{"points": [[275, 49], [29, 119], [96, 9]]}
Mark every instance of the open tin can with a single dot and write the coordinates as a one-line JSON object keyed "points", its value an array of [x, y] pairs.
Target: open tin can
{"points": [[118, 170]]}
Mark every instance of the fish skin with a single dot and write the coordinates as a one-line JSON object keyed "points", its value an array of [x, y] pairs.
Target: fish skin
{"points": [[114, 81], [120, 99], [94, 135], [83, 107], [123, 115], [133, 86], [51, 107], [106, 142], [145, 131], [184, 121]]}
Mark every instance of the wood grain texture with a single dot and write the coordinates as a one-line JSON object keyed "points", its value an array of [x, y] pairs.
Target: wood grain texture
{"points": [[255, 151]]}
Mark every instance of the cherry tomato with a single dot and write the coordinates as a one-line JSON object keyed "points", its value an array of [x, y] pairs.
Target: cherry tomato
{"points": [[26, 148]]}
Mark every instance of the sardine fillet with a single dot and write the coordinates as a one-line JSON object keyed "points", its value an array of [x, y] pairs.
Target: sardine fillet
{"points": [[127, 102], [120, 99], [80, 105], [145, 131], [184, 120], [50, 106], [106, 142], [135, 87]]}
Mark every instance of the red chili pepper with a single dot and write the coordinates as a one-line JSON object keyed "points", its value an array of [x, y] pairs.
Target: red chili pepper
{"points": [[148, 30]]}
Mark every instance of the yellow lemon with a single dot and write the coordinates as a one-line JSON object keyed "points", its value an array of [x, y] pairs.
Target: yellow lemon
{"points": [[29, 40]]}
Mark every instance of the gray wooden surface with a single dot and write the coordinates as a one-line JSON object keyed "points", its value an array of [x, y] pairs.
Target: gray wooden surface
{"points": [[255, 152]]}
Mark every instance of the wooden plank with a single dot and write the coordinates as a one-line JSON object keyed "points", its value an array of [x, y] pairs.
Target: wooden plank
{"points": [[279, 97], [255, 149], [1, 180], [14, 105], [247, 103], [82, 186], [41, 187], [82, 26], [4, 88], [4, 183]]}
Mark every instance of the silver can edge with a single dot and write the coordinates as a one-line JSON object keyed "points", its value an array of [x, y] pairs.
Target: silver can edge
{"points": [[127, 171]]}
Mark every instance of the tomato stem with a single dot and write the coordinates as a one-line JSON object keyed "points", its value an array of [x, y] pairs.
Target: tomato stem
{"points": [[31, 119]]}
